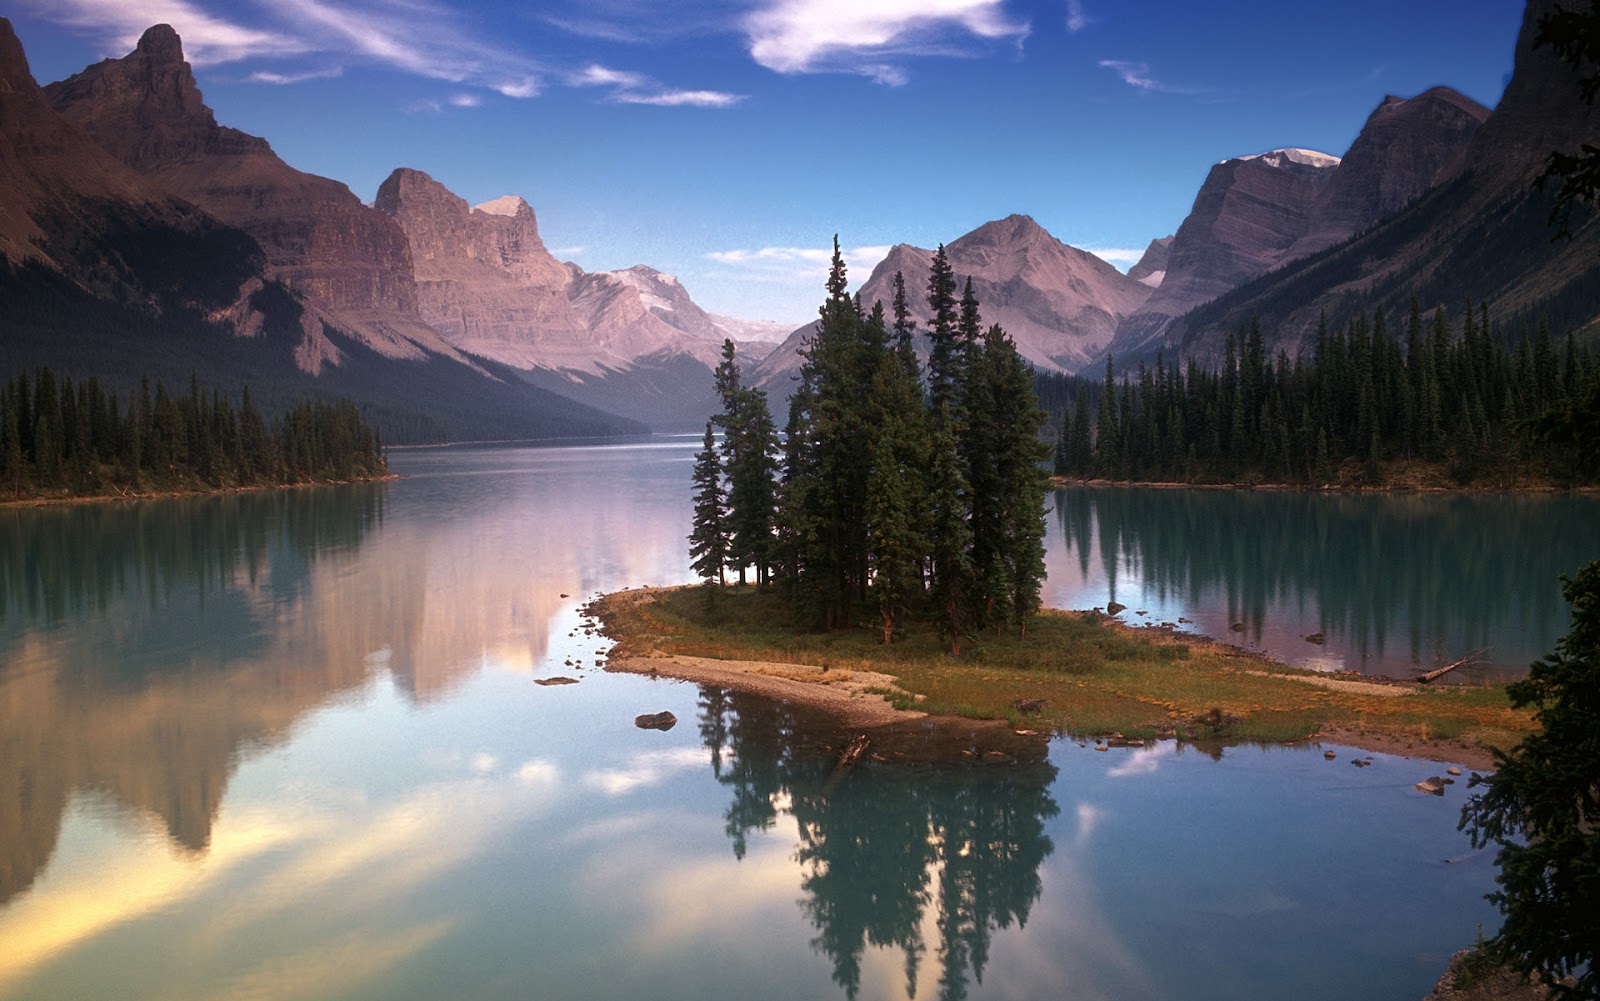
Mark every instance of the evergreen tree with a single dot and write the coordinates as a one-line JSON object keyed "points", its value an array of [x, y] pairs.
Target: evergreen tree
{"points": [[1541, 807], [708, 541]]}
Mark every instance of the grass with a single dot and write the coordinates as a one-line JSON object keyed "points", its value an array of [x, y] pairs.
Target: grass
{"points": [[1098, 676]]}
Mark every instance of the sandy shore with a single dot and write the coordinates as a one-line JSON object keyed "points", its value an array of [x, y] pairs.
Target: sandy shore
{"points": [[854, 697]]}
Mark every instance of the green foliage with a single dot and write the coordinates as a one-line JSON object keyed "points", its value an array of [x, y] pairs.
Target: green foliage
{"points": [[900, 502], [1474, 403], [708, 541], [1542, 808], [80, 440]]}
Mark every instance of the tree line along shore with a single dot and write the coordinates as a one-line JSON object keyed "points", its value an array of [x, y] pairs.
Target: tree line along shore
{"points": [[61, 439]]}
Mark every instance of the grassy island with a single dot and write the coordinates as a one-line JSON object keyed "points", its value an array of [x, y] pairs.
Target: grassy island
{"points": [[1080, 674]]}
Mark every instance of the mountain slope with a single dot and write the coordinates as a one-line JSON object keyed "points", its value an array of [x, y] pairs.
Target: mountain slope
{"points": [[349, 262], [1483, 233], [632, 341], [1060, 304], [105, 272]]}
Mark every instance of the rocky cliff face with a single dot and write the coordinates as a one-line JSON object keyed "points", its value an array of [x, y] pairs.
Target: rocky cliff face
{"points": [[486, 282], [1060, 304], [349, 261], [1246, 217], [1151, 269], [1481, 232], [1406, 147], [484, 279], [64, 201], [1256, 214]]}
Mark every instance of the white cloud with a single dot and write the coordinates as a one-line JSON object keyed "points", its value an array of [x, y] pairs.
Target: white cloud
{"points": [[465, 100], [418, 37], [1077, 19], [1117, 255], [798, 265], [849, 36], [1137, 74], [635, 88], [267, 76], [682, 99], [207, 40]]}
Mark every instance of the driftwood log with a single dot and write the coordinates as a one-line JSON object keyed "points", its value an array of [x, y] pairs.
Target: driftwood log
{"points": [[1467, 661]]}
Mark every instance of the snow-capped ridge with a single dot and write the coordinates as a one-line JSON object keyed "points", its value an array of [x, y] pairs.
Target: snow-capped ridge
{"points": [[1306, 157]]}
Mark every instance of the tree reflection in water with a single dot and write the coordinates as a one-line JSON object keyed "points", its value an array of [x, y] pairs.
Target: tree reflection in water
{"points": [[925, 832]]}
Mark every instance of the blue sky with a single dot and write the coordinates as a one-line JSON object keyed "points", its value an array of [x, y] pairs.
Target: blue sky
{"points": [[727, 142]]}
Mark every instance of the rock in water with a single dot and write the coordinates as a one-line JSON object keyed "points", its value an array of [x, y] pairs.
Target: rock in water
{"points": [[1433, 786], [656, 721]]}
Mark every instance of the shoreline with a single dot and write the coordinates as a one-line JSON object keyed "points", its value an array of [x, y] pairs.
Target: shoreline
{"points": [[1061, 482], [24, 503], [861, 698]]}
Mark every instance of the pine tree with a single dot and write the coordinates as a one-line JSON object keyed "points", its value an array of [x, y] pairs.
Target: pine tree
{"points": [[708, 541]]}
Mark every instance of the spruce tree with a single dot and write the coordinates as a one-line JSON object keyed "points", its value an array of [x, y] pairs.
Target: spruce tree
{"points": [[708, 540]]}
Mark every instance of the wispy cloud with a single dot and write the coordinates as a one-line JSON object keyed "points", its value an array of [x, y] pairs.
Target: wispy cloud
{"points": [[418, 37], [849, 36], [1077, 18], [207, 39], [283, 79], [1116, 255], [627, 87], [1137, 74], [797, 265]]}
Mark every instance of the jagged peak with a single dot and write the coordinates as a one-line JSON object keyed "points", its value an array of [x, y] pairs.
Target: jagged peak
{"points": [[160, 43], [14, 72]]}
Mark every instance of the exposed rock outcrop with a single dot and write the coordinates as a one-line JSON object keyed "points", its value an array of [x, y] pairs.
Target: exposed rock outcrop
{"points": [[1151, 269], [1405, 148], [349, 261], [1060, 304], [1248, 214]]}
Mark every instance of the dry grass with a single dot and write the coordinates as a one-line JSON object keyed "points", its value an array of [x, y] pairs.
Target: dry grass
{"points": [[1098, 676]]}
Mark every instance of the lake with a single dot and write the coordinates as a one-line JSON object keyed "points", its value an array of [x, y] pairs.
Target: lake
{"points": [[293, 745]]}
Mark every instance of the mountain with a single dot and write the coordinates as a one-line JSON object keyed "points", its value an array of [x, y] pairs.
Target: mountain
{"points": [[1060, 304], [70, 208], [107, 269], [1247, 215], [348, 261], [1405, 148], [629, 341], [1151, 268], [1482, 232]]}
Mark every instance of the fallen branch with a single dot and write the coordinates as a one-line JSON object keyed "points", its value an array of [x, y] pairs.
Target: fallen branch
{"points": [[1470, 659]]}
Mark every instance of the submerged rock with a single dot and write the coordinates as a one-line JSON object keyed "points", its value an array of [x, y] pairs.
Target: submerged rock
{"points": [[656, 721], [555, 681], [1433, 786]]}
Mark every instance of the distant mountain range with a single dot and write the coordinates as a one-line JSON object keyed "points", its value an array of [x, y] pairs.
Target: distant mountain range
{"points": [[127, 207], [139, 234]]}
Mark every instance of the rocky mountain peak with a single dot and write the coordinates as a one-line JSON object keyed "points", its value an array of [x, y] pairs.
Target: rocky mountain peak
{"points": [[146, 107], [14, 72], [1013, 229], [160, 44]]}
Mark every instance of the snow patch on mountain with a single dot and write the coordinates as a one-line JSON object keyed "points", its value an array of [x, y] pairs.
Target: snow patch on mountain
{"points": [[1307, 157]]}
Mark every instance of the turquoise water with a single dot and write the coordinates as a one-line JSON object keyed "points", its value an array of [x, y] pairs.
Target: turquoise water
{"points": [[291, 745]]}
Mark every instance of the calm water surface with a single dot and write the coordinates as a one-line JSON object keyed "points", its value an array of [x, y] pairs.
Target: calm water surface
{"points": [[290, 745]]}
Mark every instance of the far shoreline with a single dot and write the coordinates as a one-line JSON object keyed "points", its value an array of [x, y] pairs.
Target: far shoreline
{"points": [[73, 500]]}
